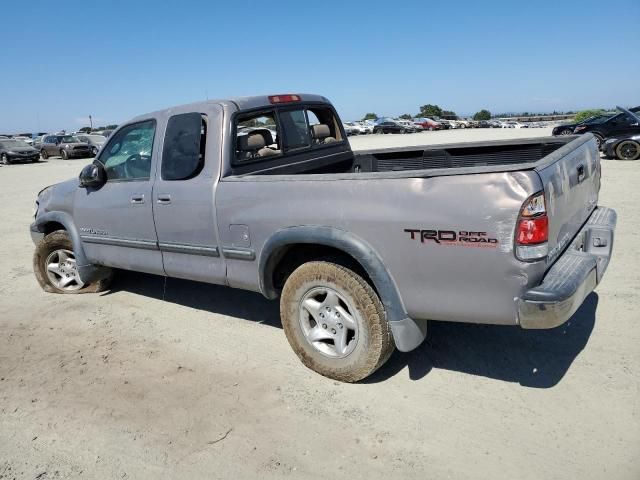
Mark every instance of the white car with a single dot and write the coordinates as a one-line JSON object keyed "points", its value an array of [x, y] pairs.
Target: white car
{"points": [[27, 140], [365, 127], [350, 128]]}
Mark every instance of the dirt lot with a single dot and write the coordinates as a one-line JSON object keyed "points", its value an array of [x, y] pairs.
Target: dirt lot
{"points": [[183, 380]]}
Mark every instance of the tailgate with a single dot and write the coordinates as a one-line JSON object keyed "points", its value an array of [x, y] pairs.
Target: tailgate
{"points": [[571, 180]]}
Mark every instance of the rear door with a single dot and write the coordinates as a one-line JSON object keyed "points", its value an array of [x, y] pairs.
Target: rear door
{"points": [[571, 185], [184, 209]]}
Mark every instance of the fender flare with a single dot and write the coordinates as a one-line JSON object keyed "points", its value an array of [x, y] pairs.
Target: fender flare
{"points": [[407, 333], [88, 272]]}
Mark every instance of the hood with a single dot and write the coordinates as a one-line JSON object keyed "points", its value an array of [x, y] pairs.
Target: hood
{"points": [[22, 149]]}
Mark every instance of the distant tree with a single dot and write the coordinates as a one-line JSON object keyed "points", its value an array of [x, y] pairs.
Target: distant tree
{"points": [[449, 115], [405, 116], [429, 110], [85, 130], [111, 127], [482, 115], [582, 115], [370, 116]]}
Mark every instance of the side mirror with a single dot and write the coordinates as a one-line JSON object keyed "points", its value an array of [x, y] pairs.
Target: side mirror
{"points": [[93, 176]]}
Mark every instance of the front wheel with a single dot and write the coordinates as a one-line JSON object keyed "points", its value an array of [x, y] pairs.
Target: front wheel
{"points": [[566, 132], [54, 265], [599, 140], [335, 322], [628, 150], [5, 159], [64, 154], [44, 154]]}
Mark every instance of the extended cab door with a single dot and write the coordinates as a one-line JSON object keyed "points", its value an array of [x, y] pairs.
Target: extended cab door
{"points": [[116, 220], [183, 195]]}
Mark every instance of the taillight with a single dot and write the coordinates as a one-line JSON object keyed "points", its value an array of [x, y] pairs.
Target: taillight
{"points": [[288, 98], [532, 231]]}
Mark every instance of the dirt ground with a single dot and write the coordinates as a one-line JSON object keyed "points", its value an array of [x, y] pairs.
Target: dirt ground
{"points": [[181, 380]]}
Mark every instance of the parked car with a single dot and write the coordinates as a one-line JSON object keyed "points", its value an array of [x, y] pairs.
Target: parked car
{"points": [[25, 139], [365, 127], [350, 129], [568, 128], [623, 123], [428, 123], [388, 125], [65, 146], [14, 150], [95, 142], [625, 146], [352, 285], [409, 126]]}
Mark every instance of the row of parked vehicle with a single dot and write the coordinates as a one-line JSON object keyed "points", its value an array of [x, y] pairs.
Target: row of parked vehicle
{"points": [[617, 133], [21, 148], [419, 124]]}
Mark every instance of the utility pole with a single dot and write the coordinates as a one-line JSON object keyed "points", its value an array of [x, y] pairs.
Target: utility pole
{"points": [[91, 122]]}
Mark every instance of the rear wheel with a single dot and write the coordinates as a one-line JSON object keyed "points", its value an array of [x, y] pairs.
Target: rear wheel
{"points": [[54, 265], [628, 150], [335, 322], [566, 132], [64, 155], [5, 159]]}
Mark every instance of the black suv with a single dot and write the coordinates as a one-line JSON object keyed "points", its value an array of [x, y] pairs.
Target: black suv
{"points": [[620, 124]]}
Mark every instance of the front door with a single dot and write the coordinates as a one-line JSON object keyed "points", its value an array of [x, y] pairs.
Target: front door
{"points": [[184, 207], [116, 220]]}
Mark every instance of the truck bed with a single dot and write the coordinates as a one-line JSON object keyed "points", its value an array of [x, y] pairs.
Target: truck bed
{"points": [[429, 160]]}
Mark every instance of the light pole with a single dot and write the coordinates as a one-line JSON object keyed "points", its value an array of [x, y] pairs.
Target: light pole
{"points": [[91, 122]]}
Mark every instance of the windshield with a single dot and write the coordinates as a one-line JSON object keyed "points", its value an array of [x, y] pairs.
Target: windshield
{"points": [[13, 143], [69, 139]]}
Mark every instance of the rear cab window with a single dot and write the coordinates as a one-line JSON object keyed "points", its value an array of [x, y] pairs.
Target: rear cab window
{"points": [[278, 132]]}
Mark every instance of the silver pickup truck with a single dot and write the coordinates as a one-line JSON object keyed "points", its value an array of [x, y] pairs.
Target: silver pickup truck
{"points": [[264, 194]]}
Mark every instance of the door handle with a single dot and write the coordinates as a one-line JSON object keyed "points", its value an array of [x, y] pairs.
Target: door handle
{"points": [[580, 173], [137, 199], [164, 199]]}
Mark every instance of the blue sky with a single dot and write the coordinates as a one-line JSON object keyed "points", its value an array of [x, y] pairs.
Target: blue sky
{"points": [[65, 60]]}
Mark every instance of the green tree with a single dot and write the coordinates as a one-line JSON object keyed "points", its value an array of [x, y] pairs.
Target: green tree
{"points": [[370, 116], [582, 115], [482, 115], [405, 116], [429, 110], [85, 130], [111, 127], [449, 115]]}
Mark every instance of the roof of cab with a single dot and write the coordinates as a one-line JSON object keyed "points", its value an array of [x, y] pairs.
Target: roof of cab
{"points": [[239, 103]]}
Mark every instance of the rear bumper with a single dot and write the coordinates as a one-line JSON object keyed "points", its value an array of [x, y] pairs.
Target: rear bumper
{"points": [[574, 275]]}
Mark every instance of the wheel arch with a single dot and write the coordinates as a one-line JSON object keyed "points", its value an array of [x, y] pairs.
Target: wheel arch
{"points": [[52, 221], [407, 332], [276, 248]]}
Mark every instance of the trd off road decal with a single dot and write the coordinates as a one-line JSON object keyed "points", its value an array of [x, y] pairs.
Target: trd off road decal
{"points": [[460, 238]]}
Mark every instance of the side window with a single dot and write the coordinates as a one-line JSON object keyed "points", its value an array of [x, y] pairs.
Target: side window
{"points": [[184, 146], [257, 137], [295, 129], [127, 156]]}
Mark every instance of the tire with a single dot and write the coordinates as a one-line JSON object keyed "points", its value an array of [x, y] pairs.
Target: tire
{"points": [[347, 309], [64, 154], [566, 132], [94, 151], [56, 249], [43, 154], [628, 150], [5, 159], [599, 140]]}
